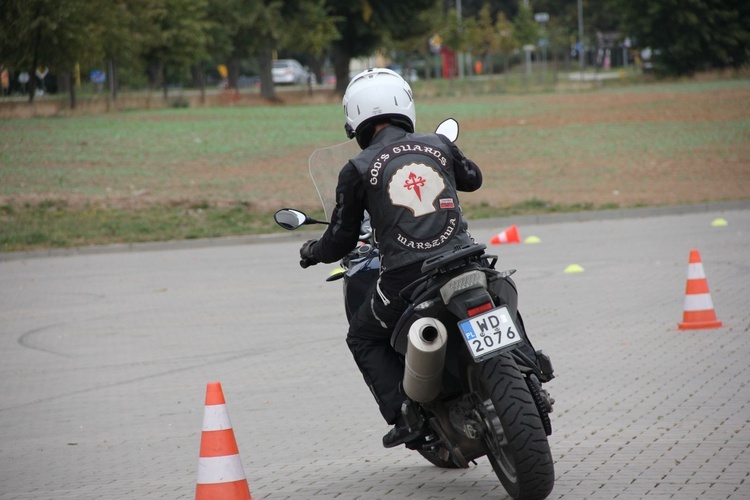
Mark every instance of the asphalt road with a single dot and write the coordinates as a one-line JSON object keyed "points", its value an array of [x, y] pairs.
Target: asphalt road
{"points": [[105, 355]]}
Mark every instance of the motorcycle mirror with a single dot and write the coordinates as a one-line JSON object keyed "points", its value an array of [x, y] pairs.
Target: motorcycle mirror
{"points": [[448, 128], [290, 219]]}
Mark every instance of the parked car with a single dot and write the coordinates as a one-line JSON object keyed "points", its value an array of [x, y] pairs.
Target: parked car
{"points": [[289, 71]]}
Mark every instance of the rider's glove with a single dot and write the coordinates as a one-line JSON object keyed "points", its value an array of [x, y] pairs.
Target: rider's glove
{"points": [[305, 254]]}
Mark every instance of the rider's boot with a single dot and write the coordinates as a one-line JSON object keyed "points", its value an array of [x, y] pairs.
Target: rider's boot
{"points": [[407, 428]]}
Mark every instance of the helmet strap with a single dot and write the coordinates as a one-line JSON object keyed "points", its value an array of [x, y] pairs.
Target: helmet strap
{"points": [[350, 133]]}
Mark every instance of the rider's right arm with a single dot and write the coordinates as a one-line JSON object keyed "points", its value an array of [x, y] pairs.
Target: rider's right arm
{"points": [[342, 233]]}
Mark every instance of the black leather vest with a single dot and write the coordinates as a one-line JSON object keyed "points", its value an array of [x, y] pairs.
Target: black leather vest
{"points": [[411, 196]]}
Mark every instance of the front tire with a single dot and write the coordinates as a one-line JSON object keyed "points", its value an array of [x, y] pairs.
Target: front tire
{"points": [[514, 433]]}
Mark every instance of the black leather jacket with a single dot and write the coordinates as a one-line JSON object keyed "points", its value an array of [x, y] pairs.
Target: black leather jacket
{"points": [[408, 183]]}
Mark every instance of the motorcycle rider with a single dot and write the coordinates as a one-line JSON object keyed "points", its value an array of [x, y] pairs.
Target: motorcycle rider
{"points": [[408, 184]]}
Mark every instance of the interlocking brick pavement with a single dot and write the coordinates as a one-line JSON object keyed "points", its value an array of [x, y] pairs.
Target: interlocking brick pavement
{"points": [[105, 355]]}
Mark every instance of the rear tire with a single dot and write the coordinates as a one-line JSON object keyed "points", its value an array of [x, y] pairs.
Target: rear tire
{"points": [[522, 461]]}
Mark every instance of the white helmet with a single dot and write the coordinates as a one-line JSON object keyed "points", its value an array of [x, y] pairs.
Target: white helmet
{"points": [[377, 95]]}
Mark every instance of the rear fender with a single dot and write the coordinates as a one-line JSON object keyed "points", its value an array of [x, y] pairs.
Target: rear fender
{"points": [[449, 293]]}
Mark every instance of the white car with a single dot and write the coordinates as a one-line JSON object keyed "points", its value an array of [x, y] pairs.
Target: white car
{"points": [[289, 71]]}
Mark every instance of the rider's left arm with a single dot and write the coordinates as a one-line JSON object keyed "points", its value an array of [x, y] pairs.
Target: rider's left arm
{"points": [[467, 173]]}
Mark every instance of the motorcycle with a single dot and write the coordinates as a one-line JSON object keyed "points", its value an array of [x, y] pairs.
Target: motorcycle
{"points": [[473, 378]]}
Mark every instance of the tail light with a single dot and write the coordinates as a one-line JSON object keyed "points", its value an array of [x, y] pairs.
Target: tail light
{"points": [[479, 309]]}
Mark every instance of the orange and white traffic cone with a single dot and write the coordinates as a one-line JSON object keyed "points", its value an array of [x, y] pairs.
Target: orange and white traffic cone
{"points": [[220, 472], [699, 309], [510, 235]]}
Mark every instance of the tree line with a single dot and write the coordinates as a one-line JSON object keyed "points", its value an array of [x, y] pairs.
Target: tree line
{"points": [[167, 41]]}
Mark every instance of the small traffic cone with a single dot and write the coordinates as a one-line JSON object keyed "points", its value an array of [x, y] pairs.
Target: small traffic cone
{"points": [[220, 472], [510, 235], [699, 309]]}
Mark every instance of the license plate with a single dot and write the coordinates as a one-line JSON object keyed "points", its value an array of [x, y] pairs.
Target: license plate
{"points": [[490, 332]]}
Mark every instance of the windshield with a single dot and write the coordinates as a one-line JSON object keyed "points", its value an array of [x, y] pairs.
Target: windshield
{"points": [[325, 165]]}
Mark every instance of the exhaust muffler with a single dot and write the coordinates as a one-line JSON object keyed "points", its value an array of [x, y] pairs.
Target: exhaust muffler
{"points": [[425, 359]]}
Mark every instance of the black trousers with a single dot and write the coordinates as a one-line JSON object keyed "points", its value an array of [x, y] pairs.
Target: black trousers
{"points": [[369, 339]]}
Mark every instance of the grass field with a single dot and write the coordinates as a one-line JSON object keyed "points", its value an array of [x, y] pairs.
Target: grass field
{"points": [[210, 172]]}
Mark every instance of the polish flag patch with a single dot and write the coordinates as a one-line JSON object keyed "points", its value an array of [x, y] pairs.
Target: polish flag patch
{"points": [[446, 203]]}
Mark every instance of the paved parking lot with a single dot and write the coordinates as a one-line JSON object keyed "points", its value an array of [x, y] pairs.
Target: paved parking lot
{"points": [[105, 355]]}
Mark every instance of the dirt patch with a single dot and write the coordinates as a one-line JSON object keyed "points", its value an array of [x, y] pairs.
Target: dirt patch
{"points": [[624, 176], [529, 159]]}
